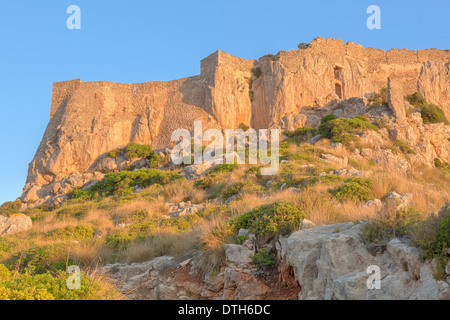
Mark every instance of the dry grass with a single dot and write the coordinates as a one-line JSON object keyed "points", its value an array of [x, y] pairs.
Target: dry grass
{"points": [[163, 242], [213, 238], [183, 190]]}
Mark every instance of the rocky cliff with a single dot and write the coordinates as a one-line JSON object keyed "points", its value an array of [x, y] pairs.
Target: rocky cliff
{"points": [[88, 119]]}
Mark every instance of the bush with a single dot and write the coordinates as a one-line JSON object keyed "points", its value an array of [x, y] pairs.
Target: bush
{"points": [[264, 260], [27, 286], [204, 183], [79, 232], [442, 165], [243, 127], [303, 46], [390, 224], [404, 148], [223, 168], [121, 183], [355, 189], [118, 240], [270, 220], [381, 98], [135, 150], [433, 237], [433, 114], [39, 260], [10, 208], [350, 141], [333, 128], [155, 160], [233, 190], [142, 229], [113, 153], [324, 131], [138, 215], [416, 99], [257, 72], [430, 112], [303, 133]]}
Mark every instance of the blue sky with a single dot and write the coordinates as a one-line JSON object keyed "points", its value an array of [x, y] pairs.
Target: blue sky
{"points": [[144, 40]]}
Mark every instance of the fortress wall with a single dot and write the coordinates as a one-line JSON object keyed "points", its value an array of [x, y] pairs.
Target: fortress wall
{"points": [[61, 90]]}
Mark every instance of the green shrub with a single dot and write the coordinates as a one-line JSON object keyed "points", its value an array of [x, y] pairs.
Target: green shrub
{"points": [[303, 133], [255, 170], [135, 150], [257, 72], [72, 210], [39, 260], [355, 189], [10, 208], [337, 127], [233, 190], [182, 223], [303, 45], [223, 168], [142, 229], [204, 183], [79, 232], [443, 165], [390, 224], [381, 98], [121, 183], [243, 127], [264, 260], [155, 160], [270, 220], [404, 148], [114, 153], [138, 215], [430, 112], [416, 99], [46, 286], [433, 114], [433, 237], [350, 141], [118, 240], [324, 130]]}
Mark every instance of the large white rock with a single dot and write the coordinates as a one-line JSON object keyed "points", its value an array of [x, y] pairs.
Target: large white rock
{"points": [[14, 224], [331, 262]]}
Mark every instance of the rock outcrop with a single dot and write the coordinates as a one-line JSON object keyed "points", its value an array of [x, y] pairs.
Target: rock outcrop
{"points": [[14, 224], [331, 262]]}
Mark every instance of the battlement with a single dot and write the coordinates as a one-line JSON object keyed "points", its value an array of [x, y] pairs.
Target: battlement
{"points": [[62, 90]]}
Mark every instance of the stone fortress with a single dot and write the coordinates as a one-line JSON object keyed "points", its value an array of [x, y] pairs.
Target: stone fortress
{"points": [[89, 119]]}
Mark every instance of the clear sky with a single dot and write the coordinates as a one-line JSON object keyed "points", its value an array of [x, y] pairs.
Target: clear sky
{"points": [[145, 40]]}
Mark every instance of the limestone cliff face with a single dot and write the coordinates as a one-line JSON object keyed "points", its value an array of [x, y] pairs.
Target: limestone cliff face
{"points": [[88, 119]]}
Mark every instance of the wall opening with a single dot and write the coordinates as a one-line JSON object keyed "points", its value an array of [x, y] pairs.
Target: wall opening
{"points": [[338, 73], [338, 90]]}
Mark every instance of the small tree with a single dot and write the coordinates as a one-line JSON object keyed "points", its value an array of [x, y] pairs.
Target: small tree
{"points": [[303, 45]]}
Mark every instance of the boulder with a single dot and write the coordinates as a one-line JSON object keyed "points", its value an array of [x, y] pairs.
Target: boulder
{"points": [[332, 262], [238, 254], [14, 224]]}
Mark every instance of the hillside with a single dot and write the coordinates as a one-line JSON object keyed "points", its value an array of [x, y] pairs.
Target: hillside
{"points": [[364, 180]]}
